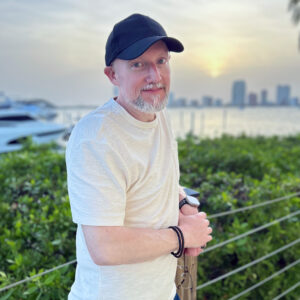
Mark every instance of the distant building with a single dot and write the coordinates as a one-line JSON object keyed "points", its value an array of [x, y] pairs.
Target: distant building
{"points": [[181, 102], [283, 95], [171, 100], [238, 93], [264, 97], [295, 101], [207, 101], [194, 103], [252, 99], [218, 102]]}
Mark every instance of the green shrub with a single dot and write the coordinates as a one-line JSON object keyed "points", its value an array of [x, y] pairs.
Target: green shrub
{"points": [[231, 173], [37, 233]]}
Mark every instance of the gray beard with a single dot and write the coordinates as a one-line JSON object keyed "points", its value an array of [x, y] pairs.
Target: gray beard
{"points": [[141, 105]]}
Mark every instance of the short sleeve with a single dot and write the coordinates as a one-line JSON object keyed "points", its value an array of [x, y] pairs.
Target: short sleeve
{"points": [[96, 184]]}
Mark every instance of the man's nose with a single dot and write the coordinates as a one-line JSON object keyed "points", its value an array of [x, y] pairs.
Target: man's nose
{"points": [[153, 73]]}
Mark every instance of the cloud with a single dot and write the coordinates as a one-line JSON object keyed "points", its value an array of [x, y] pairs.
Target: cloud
{"points": [[47, 46]]}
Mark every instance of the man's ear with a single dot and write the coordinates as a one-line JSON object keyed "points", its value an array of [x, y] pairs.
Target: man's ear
{"points": [[111, 74]]}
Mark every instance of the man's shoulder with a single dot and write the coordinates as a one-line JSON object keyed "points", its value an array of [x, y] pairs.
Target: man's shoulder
{"points": [[95, 119], [94, 125]]}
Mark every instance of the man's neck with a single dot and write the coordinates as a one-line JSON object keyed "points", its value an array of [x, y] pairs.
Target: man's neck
{"points": [[141, 116]]}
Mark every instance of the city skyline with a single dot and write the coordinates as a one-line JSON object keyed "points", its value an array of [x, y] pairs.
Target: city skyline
{"points": [[241, 97], [55, 50]]}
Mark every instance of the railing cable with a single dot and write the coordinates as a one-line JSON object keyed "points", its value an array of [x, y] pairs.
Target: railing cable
{"points": [[287, 291], [206, 250], [265, 280], [35, 276], [248, 265], [251, 232], [225, 213]]}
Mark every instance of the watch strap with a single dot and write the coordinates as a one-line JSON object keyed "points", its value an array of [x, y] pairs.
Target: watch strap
{"points": [[182, 202]]}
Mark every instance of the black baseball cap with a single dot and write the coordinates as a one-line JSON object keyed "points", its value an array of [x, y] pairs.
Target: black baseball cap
{"points": [[132, 36]]}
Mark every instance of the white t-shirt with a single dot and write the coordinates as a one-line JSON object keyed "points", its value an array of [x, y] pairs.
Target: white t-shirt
{"points": [[122, 172]]}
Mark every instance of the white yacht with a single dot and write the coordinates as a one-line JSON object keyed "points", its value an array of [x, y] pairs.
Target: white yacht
{"points": [[16, 125]]}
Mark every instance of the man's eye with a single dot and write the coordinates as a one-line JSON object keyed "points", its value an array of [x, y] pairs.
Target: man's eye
{"points": [[162, 61], [137, 65]]}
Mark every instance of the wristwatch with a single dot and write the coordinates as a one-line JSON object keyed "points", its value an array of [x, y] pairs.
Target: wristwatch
{"points": [[192, 201]]}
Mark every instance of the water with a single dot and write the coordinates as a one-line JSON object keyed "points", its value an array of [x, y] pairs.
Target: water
{"points": [[213, 122]]}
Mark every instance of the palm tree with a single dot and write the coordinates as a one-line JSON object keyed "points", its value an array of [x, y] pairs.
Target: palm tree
{"points": [[294, 8]]}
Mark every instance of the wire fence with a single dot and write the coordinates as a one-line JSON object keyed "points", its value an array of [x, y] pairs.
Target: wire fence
{"points": [[269, 202], [266, 280], [287, 291], [251, 232], [230, 212], [36, 275], [248, 265]]}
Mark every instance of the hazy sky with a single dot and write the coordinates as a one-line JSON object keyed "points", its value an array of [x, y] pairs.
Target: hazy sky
{"points": [[55, 49]]}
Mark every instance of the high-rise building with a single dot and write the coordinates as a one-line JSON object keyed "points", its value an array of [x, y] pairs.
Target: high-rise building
{"points": [[295, 101], [181, 102], [238, 93], [171, 100], [194, 103], [264, 97], [252, 99], [283, 95], [207, 101], [218, 102]]}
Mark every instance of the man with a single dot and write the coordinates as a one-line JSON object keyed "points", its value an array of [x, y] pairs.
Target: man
{"points": [[123, 177]]}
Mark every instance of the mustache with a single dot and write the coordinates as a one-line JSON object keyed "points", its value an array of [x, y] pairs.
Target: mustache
{"points": [[153, 86]]}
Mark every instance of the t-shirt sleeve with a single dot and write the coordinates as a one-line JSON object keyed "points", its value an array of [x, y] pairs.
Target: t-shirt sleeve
{"points": [[96, 184]]}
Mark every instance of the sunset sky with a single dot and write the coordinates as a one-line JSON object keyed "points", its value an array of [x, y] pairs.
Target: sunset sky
{"points": [[55, 49]]}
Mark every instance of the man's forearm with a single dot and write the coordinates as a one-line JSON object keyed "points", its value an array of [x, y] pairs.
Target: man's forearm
{"points": [[124, 245]]}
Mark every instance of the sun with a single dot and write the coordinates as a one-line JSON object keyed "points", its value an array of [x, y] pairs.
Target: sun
{"points": [[215, 67], [214, 62], [214, 59]]}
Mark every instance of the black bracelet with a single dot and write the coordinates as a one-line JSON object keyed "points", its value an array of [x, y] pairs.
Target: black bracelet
{"points": [[180, 241]]}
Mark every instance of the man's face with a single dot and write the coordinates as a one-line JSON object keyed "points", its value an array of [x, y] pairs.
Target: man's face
{"points": [[144, 82]]}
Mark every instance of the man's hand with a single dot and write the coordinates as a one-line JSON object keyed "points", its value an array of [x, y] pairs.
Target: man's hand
{"points": [[196, 231], [189, 210]]}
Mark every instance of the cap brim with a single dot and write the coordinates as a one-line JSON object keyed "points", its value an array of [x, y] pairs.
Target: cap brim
{"points": [[139, 47]]}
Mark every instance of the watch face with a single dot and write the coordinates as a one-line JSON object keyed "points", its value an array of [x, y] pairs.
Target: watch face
{"points": [[192, 201]]}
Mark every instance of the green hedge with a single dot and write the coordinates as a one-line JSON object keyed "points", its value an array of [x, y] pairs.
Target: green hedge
{"points": [[231, 173], [36, 231]]}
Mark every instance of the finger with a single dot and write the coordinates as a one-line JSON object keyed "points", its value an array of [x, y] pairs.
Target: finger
{"points": [[206, 222], [202, 214], [209, 230]]}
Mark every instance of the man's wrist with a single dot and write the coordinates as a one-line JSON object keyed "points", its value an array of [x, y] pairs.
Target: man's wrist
{"points": [[189, 210], [192, 201], [180, 237]]}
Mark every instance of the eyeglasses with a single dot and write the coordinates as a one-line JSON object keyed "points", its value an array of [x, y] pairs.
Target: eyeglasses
{"points": [[186, 280]]}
